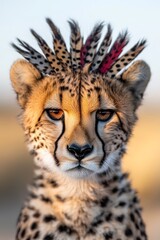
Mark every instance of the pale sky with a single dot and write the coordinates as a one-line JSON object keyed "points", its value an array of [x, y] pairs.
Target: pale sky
{"points": [[140, 17]]}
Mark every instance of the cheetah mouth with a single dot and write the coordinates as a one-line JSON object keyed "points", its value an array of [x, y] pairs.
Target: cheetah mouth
{"points": [[78, 167], [79, 170]]}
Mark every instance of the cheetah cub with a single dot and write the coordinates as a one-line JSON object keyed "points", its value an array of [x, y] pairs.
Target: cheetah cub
{"points": [[78, 112]]}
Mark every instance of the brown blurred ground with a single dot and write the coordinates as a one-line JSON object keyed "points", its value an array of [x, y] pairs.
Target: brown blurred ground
{"points": [[142, 161]]}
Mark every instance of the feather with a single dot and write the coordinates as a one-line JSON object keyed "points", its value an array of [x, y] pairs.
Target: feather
{"points": [[81, 56], [60, 48], [89, 48], [125, 59], [54, 62], [75, 44], [34, 57], [103, 49], [115, 51]]}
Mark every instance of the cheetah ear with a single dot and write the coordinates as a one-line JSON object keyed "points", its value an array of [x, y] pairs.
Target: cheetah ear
{"points": [[136, 78], [23, 76]]}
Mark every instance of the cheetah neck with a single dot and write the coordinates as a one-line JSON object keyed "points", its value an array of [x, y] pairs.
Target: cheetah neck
{"points": [[89, 188], [77, 200]]}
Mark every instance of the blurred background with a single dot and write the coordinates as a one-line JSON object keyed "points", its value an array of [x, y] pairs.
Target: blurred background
{"points": [[142, 19]]}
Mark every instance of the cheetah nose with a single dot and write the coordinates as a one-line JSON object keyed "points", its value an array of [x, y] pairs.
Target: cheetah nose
{"points": [[80, 151]]}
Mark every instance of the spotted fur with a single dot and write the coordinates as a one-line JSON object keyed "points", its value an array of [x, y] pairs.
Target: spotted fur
{"points": [[79, 191]]}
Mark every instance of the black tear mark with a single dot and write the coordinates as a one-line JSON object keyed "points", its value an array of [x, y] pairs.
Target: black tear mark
{"points": [[103, 144], [56, 144]]}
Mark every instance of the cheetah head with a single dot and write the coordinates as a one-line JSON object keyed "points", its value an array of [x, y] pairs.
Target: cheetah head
{"points": [[78, 123]]}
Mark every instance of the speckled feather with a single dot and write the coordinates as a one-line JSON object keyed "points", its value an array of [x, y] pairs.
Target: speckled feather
{"points": [[89, 48], [52, 59], [114, 53], [81, 56], [34, 57], [75, 45], [101, 53], [59, 45], [125, 59]]}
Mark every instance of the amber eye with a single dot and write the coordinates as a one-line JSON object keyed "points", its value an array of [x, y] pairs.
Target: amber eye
{"points": [[104, 114], [55, 114]]}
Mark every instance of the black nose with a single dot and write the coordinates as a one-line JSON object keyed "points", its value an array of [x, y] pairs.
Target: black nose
{"points": [[80, 151]]}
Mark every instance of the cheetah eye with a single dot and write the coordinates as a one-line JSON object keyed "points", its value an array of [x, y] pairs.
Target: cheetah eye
{"points": [[55, 114], [104, 114]]}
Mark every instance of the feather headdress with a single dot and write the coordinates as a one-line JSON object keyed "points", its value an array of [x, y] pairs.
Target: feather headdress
{"points": [[105, 59]]}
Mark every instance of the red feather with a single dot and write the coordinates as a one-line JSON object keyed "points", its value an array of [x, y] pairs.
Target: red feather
{"points": [[89, 48], [84, 50], [114, 53]]}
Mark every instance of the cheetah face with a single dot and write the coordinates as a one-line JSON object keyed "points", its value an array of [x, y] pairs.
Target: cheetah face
{"points": [[77, 124], [81, 127], [86, 122]]}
